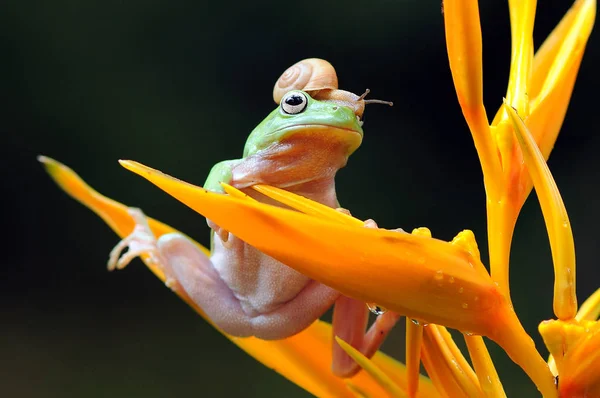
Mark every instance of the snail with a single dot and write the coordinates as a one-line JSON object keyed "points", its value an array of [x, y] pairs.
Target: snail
{"points": [[317, 77]]}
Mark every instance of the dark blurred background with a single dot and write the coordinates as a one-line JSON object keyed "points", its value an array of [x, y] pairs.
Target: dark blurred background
{"points": [[179, 86]]}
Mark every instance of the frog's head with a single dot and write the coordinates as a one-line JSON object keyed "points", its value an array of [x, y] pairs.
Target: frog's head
{"points": [[301, 116]]}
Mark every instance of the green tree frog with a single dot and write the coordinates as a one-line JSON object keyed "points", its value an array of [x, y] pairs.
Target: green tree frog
{"points": [[299, 147]]}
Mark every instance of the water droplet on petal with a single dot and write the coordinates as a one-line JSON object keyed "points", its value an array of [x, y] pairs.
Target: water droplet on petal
{"points": [[415, 321], [465, 305], [461, 289], [439, 275], [451, 279], [468, 333], [376, 309]]}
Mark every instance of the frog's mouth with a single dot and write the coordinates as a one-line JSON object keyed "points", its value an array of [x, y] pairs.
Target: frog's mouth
{"points": [[324, 134]]}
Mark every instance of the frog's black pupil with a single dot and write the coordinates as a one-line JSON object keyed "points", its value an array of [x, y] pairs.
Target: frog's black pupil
{"points": [[294, 100]]}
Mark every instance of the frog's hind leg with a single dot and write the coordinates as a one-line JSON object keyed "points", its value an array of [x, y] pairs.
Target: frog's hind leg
{"points": [[172, 253], [191, 273], [350, 318]]}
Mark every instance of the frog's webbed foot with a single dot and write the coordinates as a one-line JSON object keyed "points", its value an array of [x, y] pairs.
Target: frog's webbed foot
{"points": [[343, 211], [141, 241]]}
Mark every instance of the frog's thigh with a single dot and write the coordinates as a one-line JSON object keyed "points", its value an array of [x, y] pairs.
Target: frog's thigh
{"points": [[195, 273]]}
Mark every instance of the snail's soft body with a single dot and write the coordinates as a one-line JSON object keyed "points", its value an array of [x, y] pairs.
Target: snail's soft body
{"points": [[318, 78]]}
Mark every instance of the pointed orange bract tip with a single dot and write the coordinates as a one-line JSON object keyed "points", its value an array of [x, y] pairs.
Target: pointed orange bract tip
{"points": [[590, 309]]}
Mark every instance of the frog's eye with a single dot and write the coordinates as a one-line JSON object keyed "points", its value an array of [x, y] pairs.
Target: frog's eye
{"points": [[294, 103]]}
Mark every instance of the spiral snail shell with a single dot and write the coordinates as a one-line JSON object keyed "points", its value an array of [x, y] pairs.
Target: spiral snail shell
{"points": [[317, 77], [310, 75]]}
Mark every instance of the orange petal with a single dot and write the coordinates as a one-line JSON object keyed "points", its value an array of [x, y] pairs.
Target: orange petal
{"points": [[522, 16], [484, 367], [556, 65], [236, 193], [575, 346], [384, 381], [588, 311], [581, 376], [414, 340], [445, 364], [564, 46], [557, 221], [561, 336], [307, 206], [305, 358], [463, 42]]}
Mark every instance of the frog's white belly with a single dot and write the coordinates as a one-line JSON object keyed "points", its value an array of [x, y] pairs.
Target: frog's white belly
{"points": [[260, 283]]}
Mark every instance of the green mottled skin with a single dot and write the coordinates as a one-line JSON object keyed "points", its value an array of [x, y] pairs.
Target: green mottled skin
{"points": [[279, 126]]}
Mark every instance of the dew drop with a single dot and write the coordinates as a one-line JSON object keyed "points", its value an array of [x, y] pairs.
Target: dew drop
{"points": [[465, 305], [439, 275], [451, 279], [376, 309], [468, 333], [461, 289], [415, 321]]}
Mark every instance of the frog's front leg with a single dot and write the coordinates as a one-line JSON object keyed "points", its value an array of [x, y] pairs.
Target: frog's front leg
{"points": [[189, 269], [350, 319]]}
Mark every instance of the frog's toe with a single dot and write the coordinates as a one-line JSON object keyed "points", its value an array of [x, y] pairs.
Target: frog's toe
{"points": [[141, 241], [222, 233], [343, 211], [370, 223]]}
